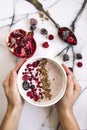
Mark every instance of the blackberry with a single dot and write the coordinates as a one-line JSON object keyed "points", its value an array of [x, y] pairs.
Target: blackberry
{"points": [[78, 56], [33, 27], [44, 31], [65, 57], [25, 85], [32, 86]]}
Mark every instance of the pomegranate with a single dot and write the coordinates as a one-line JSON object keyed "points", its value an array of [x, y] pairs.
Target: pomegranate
{"points": [[21, 43]]}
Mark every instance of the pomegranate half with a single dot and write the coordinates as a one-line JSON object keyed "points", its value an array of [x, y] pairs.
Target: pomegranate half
{"points": [[21, 43]]}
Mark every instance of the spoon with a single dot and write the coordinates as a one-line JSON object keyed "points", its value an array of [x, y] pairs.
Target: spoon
{"points": [[63, 32]]}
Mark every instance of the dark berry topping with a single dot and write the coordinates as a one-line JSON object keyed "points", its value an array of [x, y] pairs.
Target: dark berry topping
{"points": [[25, 85], [51, 37], [78, 56], [79, 64], [32, 86], [44, 31], [45, 45], [65, 57]]}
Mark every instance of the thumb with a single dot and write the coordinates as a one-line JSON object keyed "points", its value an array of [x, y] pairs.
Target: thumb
{"points": [[70, 83], [13, 78]]}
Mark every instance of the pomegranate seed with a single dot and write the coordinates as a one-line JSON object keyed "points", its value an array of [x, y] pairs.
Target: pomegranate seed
{"points": [[45, 45], [36, 97], [25, 77], [51, 37], [79, 64], [35, 64]]}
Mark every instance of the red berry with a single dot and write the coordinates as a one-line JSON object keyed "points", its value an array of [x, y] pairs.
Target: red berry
{"points": [[51, 37], [25, 77], [45, 45], [79, 64]]}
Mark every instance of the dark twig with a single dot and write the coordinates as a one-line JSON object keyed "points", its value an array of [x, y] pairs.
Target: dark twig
{"points": [[62, 51]]}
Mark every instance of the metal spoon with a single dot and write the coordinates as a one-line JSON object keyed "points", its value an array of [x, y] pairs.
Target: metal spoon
{"points": [[63, 32]]}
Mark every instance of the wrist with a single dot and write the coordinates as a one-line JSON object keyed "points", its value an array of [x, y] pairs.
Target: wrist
{"points": [[65, 112], [15, 109]]}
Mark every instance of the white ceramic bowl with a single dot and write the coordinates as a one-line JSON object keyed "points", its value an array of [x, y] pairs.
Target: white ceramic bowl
{"points": [[38, 95]]}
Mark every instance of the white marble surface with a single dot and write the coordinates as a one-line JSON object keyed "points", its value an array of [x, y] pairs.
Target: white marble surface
{"points": [[67, 13]]}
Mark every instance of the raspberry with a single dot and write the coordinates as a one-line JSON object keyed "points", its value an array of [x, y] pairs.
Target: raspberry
{"points": [[45, 45], [79, 64], [51, 37]]}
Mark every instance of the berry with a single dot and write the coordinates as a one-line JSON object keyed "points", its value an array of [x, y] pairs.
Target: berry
{"points": [[66, 35], [51, 37], [33, 27], [45, 45], [25, 77], [65, 57], [70, 40], [78, 56], [25, 85], [32, 86], [79, 64], [33, 21], [44, 31], [35, 64]]}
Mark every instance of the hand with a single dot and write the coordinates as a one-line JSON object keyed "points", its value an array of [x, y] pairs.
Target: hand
{"points": [[10, 86], [72, 92]]}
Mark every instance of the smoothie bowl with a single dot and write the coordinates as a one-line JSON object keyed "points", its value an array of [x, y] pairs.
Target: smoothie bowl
{"points": [[42, 81]]}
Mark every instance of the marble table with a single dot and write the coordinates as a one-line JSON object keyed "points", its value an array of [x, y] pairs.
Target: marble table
{"points": [[15, 14]]}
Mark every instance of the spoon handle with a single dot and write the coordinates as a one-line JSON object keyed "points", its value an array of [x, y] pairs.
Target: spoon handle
{"points": [[39, 6]]}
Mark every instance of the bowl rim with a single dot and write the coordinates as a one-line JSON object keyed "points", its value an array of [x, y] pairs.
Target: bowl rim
{"points": [[61, 93]]}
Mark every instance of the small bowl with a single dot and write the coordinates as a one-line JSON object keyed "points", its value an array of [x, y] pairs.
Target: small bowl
{"points": [[42, 81], [21, 43]]}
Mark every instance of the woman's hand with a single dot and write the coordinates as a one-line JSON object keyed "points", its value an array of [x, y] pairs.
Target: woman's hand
{"points": [[72, 92], [10, 87], [65, 105]]}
